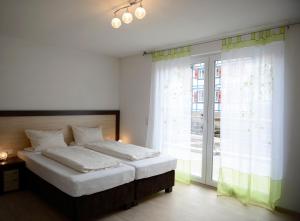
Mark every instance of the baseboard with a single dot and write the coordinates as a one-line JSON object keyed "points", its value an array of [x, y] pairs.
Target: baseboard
{"points": [[203, 185], [287, 211]]}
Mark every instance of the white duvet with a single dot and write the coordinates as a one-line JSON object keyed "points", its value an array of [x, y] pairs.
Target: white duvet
{"points": [[80, 158], [123, 151]]}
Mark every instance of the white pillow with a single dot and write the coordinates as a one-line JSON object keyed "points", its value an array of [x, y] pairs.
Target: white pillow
{"points": [[85, 135], [42, 139]]}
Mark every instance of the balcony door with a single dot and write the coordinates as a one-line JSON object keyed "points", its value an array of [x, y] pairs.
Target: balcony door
{"points": [[205, 123]]}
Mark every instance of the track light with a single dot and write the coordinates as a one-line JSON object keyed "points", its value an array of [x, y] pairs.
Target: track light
{"points": [[127, 17], [140, 12], [116, 22]]}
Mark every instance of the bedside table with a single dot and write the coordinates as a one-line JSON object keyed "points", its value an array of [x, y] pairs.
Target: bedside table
{"points": [[11, 174]]}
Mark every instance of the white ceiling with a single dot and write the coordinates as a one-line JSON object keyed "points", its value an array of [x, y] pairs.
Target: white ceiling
{"points": [[85, 24]]}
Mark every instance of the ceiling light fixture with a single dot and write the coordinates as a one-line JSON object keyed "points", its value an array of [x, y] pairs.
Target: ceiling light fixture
{"points": [[116, 22], [140, 12], [127, 17]]}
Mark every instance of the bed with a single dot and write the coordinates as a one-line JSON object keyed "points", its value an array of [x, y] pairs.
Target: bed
{"points": [[152, 175], [75, 183], [153, 171], [79, 195]]}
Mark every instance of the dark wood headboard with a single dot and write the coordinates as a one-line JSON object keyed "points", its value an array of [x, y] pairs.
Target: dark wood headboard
{"points": [[14, 122]]}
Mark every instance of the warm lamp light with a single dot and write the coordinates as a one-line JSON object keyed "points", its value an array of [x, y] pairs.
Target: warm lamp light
{"points": [[127, 17], [116, 22], [140, 12], [3, 156]]}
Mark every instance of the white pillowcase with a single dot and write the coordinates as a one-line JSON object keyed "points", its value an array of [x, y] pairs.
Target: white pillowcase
{"points": [[42, 139], [85, 135]]}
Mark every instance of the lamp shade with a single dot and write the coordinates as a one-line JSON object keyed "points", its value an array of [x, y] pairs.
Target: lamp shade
{"points": [[127, 17], [140, 12], [3, 155], [116, 22]]}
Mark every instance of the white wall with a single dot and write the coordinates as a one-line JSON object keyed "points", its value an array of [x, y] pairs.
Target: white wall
{"points": [[135, 92], [291, 185], [135, 80], [35, 76]]}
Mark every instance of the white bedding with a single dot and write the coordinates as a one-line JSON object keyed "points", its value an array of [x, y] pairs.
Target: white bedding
{"points": [[123, 151], [80, 158], [75, 183], [152, 166]]}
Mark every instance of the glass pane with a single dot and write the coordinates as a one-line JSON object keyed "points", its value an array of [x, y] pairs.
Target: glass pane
{"points": [[217, 112], [197, 118]]}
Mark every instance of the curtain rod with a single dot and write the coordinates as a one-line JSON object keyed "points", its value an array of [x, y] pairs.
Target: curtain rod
{"points": [[221, 38]]}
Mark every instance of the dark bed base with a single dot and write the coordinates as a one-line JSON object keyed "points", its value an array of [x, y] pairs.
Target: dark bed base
{"points": [[147, 186], [83, 207], [98, 204]]}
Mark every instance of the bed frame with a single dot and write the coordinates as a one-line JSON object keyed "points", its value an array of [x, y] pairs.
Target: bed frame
{"points": [[83, 207], [97, 204], [148, 186]]}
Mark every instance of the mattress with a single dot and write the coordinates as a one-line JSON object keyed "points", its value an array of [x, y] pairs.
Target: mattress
{"points": [[75, 183], [152, 166]]}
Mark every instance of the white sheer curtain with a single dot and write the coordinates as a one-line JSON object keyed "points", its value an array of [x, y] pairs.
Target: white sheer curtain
{"points": [[169, 128], [251, 123]]}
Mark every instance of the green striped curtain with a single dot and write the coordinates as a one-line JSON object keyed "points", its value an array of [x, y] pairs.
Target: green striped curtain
{"points": [[249, 71], [255, 38], [171, 53]]}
